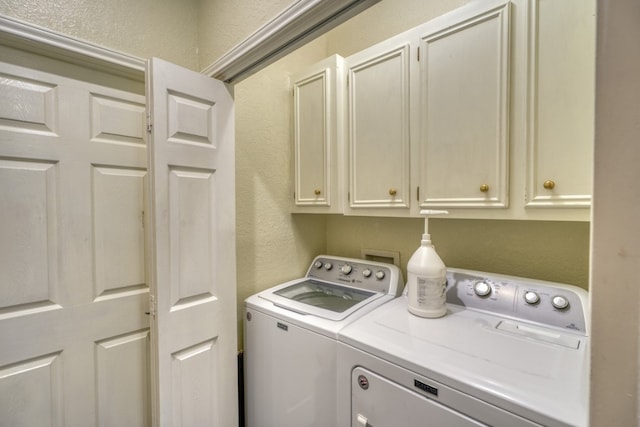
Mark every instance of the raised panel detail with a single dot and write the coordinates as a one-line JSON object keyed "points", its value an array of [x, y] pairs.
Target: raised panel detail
{"points": [[194, 385], [465, 114], [379, 129], [31, 392], [312, 133], [116, 120], [192, 235], [118, 229], [27, 105], [28, 253], [561, 103], [190, 120], [122, 375]]}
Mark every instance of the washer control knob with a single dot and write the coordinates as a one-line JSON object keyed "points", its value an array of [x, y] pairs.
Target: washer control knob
{"points": [[531, 297], [379, 274], [317, 264], [366, 272], [346, 269], [560, 302], [328, 266], [482, 289]]}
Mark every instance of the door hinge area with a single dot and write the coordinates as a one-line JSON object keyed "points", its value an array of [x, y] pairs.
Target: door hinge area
{"points": [[418, 53], [149, 125], [152, 305], [418, 193]]}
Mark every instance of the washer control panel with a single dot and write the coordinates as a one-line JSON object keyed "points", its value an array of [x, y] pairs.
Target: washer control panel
{"points": [[546, 303], [370, 275]]}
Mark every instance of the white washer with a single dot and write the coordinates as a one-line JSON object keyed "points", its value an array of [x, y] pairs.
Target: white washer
{"points": [[510, 352], [290, 335]]}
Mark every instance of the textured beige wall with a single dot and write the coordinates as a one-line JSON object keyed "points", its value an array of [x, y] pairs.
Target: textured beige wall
{"points": [[225, 23], [546, 250], [272, 245], [191, 33], [144, 28]]}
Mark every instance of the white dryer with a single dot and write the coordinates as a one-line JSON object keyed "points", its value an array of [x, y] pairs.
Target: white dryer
{"points": [[510, 352], [290, 347]]}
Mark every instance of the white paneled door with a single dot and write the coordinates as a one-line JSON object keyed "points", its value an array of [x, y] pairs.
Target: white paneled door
{"points": [[79, 258], [73, 290], [191, 164]]}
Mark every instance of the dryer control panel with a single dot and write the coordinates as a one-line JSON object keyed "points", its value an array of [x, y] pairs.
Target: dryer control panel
{"points": [[545, 303], [359, 273]]}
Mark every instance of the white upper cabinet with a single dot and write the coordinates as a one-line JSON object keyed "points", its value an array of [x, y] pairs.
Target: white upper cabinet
{"points": [[462, 152], [561, 103], [486, 111], [318, 147], [378, 106]]}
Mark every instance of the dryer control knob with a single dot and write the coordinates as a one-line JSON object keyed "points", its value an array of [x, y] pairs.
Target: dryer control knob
{"points": [[318, 264], [328, 266], [379, 274], [482, 289], [560, 302], [531, 297], [346, 269], [366, 272]]}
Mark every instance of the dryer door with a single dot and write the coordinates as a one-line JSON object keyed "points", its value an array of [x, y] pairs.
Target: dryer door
{"points": [[378, 402]]}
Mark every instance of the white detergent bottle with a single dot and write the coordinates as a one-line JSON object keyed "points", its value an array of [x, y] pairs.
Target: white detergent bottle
{"points": [[427, 276]]}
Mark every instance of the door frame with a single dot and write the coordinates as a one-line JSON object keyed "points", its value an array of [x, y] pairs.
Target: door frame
{"points": [[41, 41]]}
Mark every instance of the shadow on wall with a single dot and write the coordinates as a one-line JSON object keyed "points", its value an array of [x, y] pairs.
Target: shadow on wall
{"points": [[556, 251]]}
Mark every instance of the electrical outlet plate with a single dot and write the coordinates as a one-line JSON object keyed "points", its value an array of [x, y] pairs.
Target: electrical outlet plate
{"points": [[376, 255]]}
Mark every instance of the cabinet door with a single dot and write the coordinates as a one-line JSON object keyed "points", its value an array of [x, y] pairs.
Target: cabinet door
{"points": [[561, 103], [464, 111], [317, 141], [378, 125]]}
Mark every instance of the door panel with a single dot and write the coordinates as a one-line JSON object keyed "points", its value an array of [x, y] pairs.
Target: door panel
{"points": [[73, 288], [464, 146], [191, 161], [28, 255], [37, 381], [132, 401], [561, 104], [378, 120]]}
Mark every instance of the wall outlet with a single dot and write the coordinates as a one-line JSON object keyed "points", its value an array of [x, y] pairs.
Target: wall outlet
{"points": [[381, 256]]}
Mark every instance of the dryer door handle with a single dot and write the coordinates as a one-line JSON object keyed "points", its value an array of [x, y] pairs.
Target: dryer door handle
{"points": [[361, 421]]}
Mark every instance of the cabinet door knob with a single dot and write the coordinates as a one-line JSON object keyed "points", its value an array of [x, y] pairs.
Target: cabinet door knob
{"points": [[317, 191], [549, 185], [484, 188], [392, 192]]}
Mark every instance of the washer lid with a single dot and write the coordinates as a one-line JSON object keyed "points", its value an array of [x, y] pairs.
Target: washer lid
{"points": [[323, 299]]}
